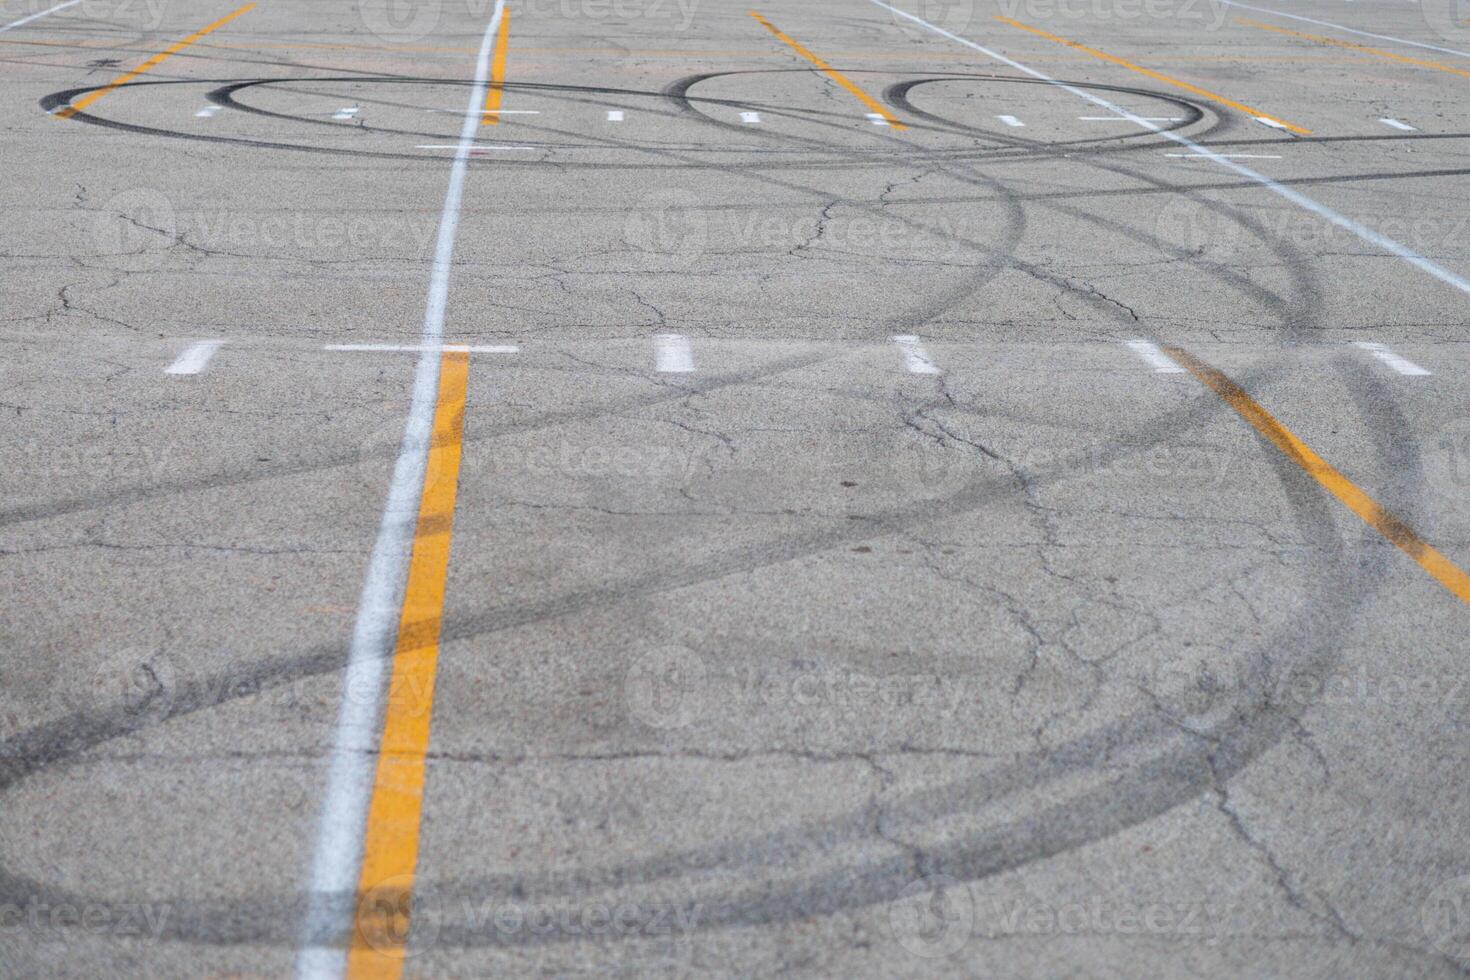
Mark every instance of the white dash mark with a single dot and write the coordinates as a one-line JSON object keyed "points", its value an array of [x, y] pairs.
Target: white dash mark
{"points": [[1161, 362], [346, 112], [207, 112], [1269, 122], [877, 119], [672, 354], [1400, 364], [615, 115], [915, 358], [1398, 124], [1010, 120], [428, 348], [750, 117], [194, 357]]}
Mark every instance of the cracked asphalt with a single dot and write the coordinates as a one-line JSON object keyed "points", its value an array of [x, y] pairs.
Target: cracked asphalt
{"points": [[966, 487]]}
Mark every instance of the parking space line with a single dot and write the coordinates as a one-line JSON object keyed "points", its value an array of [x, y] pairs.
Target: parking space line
{"points": [[491, 115], [391, 840], [873, 104], [1363, 48], [1157, 76], [70, 110], [194, 358], [672, 353], [1385, 354], [36, 16], [915, 357], [1399, 534], [1156, 358]]}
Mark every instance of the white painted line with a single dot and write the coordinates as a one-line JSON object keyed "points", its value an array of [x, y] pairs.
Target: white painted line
{"points": [[1228, 156], [1162, 363], [1281, 190], [1269, 122], [1400, 364], [876, 118], [671, 353], [26, 20], [353, 755], [207, 112], [1398, 124], [476, 148], [1010, 120], [750, 117], [1328, 23], [915, 358], [428, 348], [1121, 119], [615, 115], [346, 113], [194, 357]]}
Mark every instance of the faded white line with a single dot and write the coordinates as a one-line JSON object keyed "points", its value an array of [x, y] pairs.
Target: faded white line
{"points": [[876, 118], [207, 112], [26, 20], [1161, 362], [672, 353], [1328, 23], [750, 117], [347, 112], [1296, 197], [915, 358], [194, 358], [1010, 120], [615, 115], [428, 348], [1397, 124], [338, 848], [1385, 354]]}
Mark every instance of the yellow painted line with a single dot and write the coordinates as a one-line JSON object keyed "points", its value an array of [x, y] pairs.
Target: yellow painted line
{"points": [[832, 73], [1356, 47], [491, 115], [391, 838], [1403, 537], [151, 63], [1157, 76]]}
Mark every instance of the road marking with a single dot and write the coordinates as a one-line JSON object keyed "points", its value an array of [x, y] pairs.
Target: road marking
{"points": [[1281, 190], [877, 119], [475, 148], [1403, 537], [65, 112], [915, 358], [1149, 72], [1229, 156], [873, 104], [37, 16], [1155, 357], [428, 348], [1385, 354], [1397, 124], [1010, 120], [615, 115], [391, 841], [346, 113], [338, 855], [672, 353], [750, 117], [1376, 52], [1339, 27], [491, 114], [207, 112], [1120, 119], [194, 358]]}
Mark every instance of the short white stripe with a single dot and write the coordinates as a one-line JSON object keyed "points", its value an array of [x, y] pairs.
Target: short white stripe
{"points": [[1010, 120], [346, 113], [877, 119], [915, 358], [1161, 362], [1400, 364], [194, 357], [672, 354], [750, 117], [615, 115], [207, 112], [1296, 197], [427, 348], [1397, 124], [26, 20]]}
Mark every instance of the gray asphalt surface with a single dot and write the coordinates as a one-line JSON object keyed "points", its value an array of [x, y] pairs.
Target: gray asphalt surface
{"points": [[1022, 645]]}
